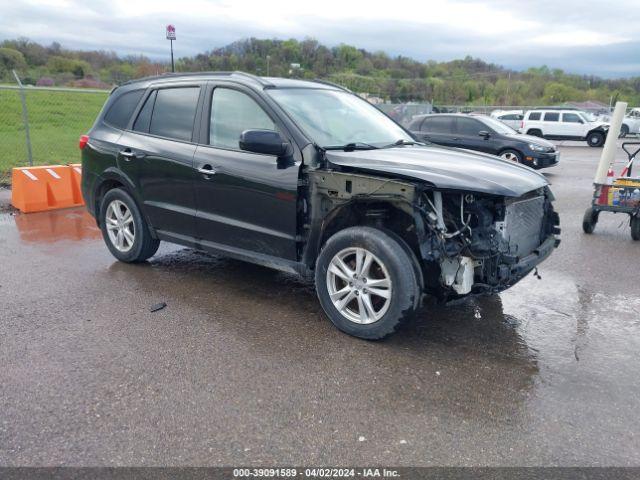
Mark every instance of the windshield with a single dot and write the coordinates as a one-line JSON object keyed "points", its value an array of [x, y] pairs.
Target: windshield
{"points": [[498, 126], [333, 118]]}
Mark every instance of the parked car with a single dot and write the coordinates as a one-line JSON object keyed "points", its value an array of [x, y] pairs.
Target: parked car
{"points": [[512, 118], [559, 124], [307, 178], [485, 134], [631, 123]]}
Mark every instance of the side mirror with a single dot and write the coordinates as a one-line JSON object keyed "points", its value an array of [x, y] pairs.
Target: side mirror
{"points": [[484, 134], [267, 142]]}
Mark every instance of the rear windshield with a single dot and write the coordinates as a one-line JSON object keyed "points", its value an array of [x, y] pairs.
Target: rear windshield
{"points": [[122, 108]]}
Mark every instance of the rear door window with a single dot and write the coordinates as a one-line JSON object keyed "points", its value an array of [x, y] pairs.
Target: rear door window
{"points": [[122, 108], [144, 117], [174, 113], [438, 124], [551, 117]]}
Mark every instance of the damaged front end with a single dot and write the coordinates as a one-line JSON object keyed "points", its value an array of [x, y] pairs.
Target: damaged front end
{"points": [[478, 243], [466, 242]]}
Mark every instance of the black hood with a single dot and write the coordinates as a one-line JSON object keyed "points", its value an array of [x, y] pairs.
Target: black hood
{"points": [[532, 139], [445, 168]]}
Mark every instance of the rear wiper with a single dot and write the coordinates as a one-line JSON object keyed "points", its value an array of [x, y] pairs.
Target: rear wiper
{"points": [[401, 142], [350, 147]]}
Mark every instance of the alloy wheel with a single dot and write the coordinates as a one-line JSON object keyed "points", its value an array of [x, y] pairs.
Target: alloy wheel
{"points": [[512, 157], [120, 226], [359, 285]]}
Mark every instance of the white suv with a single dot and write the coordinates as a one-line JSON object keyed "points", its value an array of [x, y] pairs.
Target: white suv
{"points": [[513, 118], [558, 124], [631, 123]]}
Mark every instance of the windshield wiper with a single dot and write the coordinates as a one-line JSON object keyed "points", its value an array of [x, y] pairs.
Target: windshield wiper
{"points": [[350, 147], [401, 142]]}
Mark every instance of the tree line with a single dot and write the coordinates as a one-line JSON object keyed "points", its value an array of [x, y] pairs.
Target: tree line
{"points": [[468, 81]]}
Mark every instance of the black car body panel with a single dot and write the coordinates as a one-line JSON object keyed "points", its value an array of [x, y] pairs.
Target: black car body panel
{"points": [[450, 133], [279, 210], [445, 168]]}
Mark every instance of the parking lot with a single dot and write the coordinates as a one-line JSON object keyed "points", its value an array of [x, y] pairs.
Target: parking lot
{"points": [[242, 367]]}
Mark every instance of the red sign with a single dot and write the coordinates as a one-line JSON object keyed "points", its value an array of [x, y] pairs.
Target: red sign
{"points": [[171, 32]]}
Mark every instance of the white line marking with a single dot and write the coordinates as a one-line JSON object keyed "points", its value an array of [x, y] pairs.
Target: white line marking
{"points": [[29, 174], [77, 169], [53, 174]]}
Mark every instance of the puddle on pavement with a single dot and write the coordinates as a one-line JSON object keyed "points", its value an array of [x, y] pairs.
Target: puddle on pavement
{"points": [[551, 325], [53, 226]]}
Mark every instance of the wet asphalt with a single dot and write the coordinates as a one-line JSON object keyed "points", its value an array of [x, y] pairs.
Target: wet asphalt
{"points": [[242, 368]]}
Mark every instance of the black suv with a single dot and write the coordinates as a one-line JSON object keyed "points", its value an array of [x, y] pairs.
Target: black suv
{"points": [[485, 134], [308, 178]]}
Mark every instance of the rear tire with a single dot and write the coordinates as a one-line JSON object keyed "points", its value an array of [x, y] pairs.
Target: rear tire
{"points": [[535, 132], [379, 298], [635, 227], [589, 220], [595, 139], [124, 230]]}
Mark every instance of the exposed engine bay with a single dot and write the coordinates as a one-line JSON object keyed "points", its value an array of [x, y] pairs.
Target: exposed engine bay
{"points": [[484, 242], [467, 242]]}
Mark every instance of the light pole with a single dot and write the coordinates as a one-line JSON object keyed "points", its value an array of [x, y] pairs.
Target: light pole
{"points": [[268, 58]]}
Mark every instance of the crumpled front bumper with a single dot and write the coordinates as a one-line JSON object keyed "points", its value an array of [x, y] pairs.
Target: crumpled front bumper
{"points": [[529, 262]]}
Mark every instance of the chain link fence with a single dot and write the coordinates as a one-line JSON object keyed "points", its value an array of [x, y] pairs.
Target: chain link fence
{"points": [[41, 126]]}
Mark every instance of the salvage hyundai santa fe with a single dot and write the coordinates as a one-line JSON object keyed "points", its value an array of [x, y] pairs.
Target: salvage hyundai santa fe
{"points": [[308, 178]]}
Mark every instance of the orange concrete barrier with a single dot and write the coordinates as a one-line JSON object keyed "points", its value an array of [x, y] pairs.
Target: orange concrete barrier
{"points": [[36, 189], [76, 177]]}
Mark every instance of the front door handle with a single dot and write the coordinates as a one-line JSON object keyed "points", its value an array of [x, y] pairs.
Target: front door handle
{"points": [[207, 170]]}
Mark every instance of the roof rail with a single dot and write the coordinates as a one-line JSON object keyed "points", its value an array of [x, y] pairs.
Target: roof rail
{"points": [[554, 108], [327, 82], [255, 78], [260, 80]]}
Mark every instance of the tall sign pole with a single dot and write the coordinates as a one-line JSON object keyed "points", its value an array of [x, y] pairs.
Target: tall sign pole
{"points": [[171, 36]]}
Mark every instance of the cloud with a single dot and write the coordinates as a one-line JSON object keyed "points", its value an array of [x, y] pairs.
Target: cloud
{"points": [[518, 34]]}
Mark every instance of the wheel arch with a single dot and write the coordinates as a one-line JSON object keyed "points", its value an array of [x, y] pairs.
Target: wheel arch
{"points": [[515, 149], [114, 178], [383, 214]]}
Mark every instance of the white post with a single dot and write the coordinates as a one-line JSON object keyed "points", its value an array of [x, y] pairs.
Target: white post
{"points": [[610, 145]]}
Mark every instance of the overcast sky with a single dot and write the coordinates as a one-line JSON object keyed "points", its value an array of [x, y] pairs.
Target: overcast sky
{"points": [[582, 36]]}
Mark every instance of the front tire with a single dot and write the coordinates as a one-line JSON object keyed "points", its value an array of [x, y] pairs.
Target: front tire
{"points": [[511, 155], [124, 230], [366, 282], [595, 139]]}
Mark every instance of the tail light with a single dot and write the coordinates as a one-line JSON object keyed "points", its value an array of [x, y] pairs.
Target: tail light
{"points": [[84, 139], [522, 124]]}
